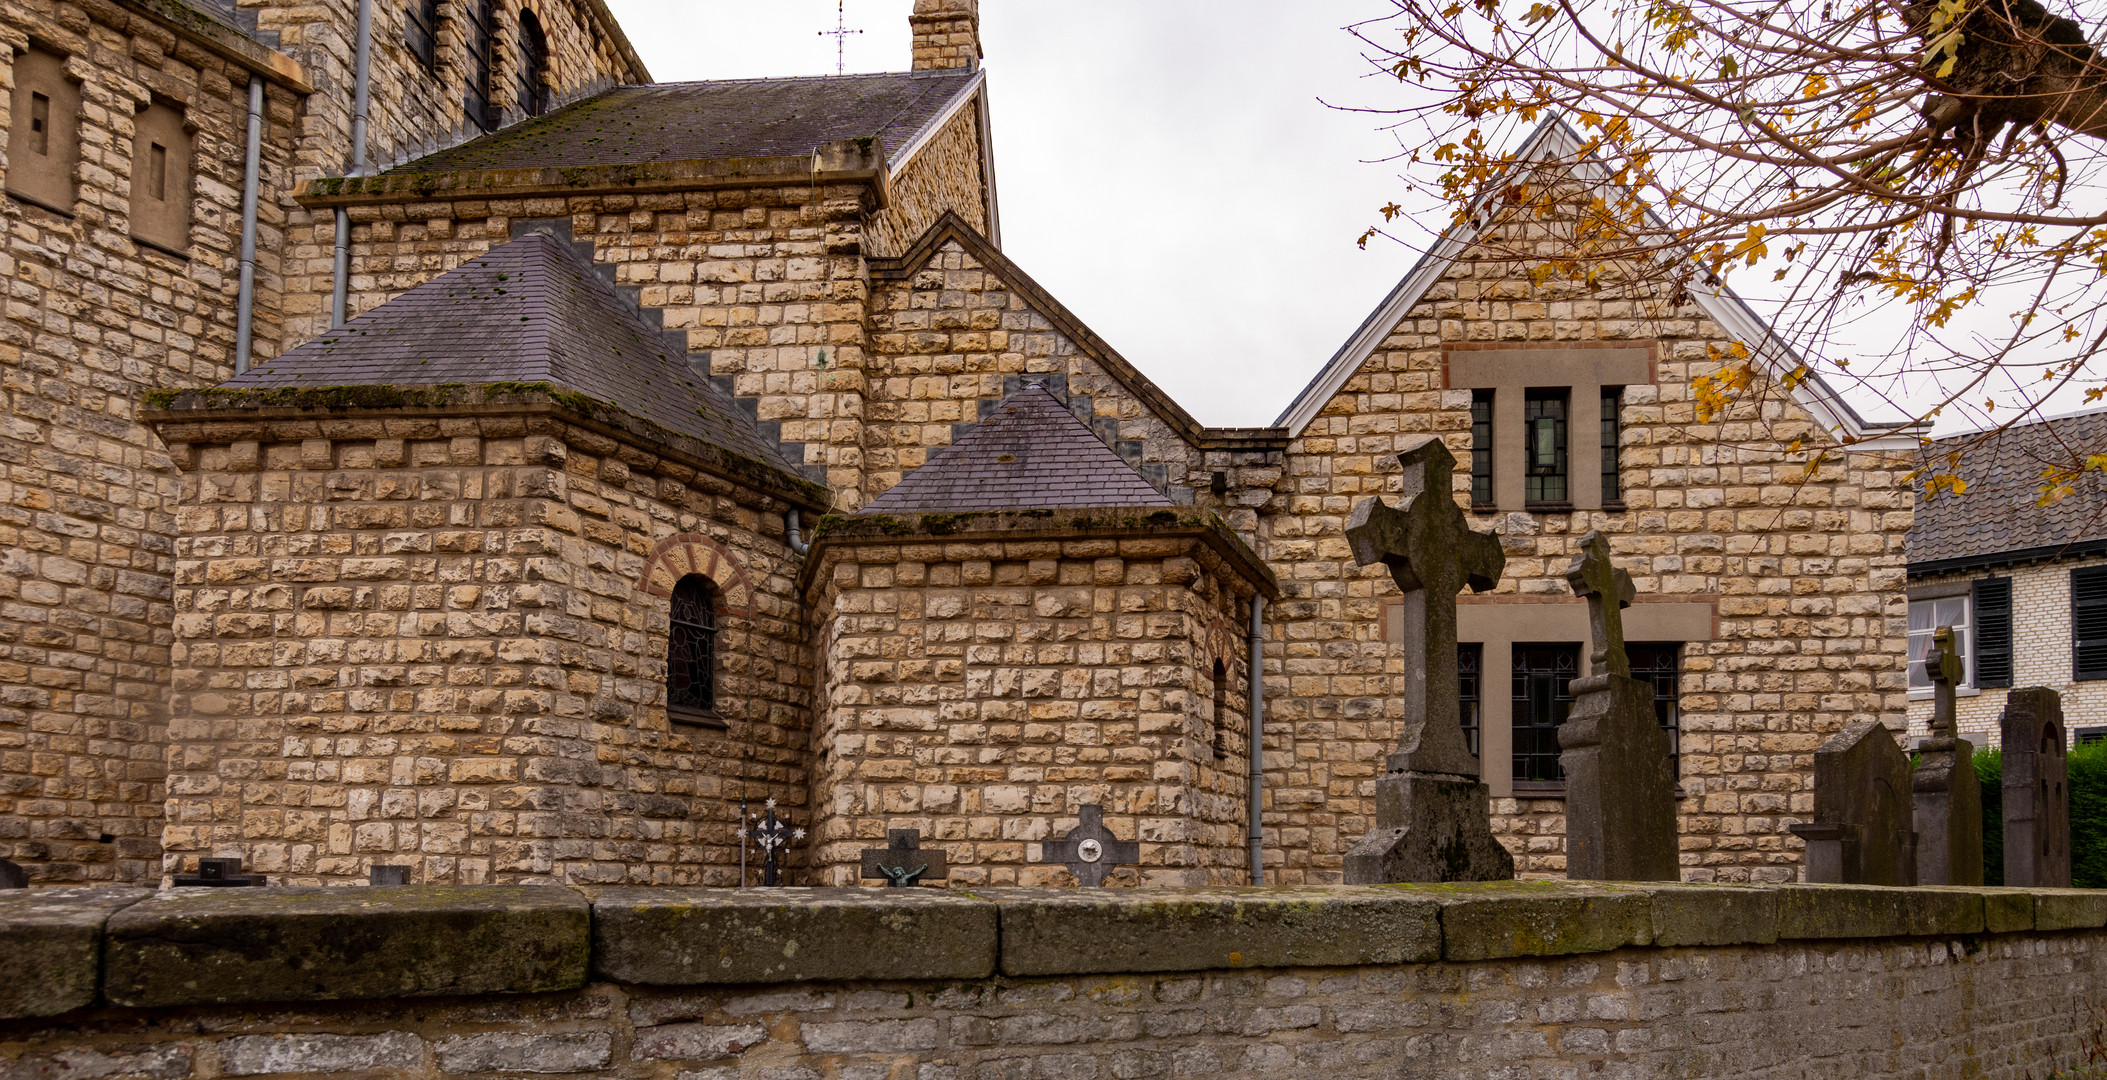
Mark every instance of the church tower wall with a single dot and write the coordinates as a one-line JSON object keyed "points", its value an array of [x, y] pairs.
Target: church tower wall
{"points": [[436, 635]]}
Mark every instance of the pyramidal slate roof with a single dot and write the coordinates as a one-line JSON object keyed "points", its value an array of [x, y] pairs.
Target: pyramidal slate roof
{"points": [[532, 310], [1029, 453], [733, 118], [1998, 515]]}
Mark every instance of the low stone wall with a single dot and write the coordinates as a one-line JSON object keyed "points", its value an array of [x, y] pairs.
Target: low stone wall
{"points": [[1512, 979]]}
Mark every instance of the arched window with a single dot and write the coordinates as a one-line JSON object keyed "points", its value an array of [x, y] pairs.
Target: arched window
{"points": [[421, 32], [533, 71], [1221, 709], [691, 653], [480, 29]]}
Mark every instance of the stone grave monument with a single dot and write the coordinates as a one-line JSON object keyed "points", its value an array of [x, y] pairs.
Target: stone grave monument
{"points": [[1090, 850], [1862, 830], [903, 862], [1948, 799], [2036, 798], [1620, 783], [1433, 819]]}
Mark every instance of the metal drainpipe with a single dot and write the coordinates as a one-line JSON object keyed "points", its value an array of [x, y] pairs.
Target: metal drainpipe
{"points": [[245, 309], [361, 96], [1254, 672], [795, 538]]}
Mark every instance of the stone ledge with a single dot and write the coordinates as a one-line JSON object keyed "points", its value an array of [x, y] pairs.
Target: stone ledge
{"points": [[75, 947]]}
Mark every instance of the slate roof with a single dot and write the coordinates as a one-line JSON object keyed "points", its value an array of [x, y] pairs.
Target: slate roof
{"points": [[234, 17], [696, 121], [1997, 514], [1029, 453], [533, 310]]}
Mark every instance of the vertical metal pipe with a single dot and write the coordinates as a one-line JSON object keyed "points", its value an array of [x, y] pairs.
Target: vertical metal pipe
{"points": [[251, 181], [1254, 675], [361, 95]]}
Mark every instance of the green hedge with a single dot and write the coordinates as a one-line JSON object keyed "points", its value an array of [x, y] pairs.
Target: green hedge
{"points": [[2088, 815]]}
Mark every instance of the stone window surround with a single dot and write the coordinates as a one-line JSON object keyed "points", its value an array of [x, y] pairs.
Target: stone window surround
{"points": [[1500, 622], [168, 230], [52, 186], [1937, 592], [1511, 370]]}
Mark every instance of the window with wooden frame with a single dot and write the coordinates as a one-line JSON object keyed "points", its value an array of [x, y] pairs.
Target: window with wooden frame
{"points": [[1544, 411], [43, 139], [1481, 450], [691, 653], [161, 179], [1993, 632], [420, 32], [2088, 622], [1542, 699], [479, 31], [1470, 692], [1612, 482]]}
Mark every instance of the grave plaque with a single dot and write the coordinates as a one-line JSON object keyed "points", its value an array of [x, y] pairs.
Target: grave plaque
{"points": [[1947, 797], [1090, 849], [1620, 786], [387, 875], [903, 862], [12, 876], [1861, 833], [1433, 814], [2036, 795], [220, 874]]}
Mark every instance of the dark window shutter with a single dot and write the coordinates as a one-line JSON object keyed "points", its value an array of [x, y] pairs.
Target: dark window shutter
{"points": [[2088, 623], [1993, 632]]}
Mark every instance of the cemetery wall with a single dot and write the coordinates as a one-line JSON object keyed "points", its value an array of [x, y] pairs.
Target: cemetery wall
{"points": [[1457, 981], [1806, 570], [2041, 653], [94, 319], [984, 676], [433, 633]]}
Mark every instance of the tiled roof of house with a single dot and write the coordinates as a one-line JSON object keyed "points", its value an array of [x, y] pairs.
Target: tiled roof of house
{"points": [[1030, 453], [1999, 512], [533, 310], [738, 118]]}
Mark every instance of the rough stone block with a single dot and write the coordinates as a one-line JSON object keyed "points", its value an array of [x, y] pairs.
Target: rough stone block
{"points": [[52, 941], [515, 1051], [1062, 932], [1489, 920], [2070, 909], [690, 1042], [1810, 912], [260, 1055], [684, 937], [1686, 915], [200, 946]]}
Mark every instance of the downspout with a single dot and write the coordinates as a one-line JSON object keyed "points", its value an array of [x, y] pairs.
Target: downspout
{"points": [[796, 539], [362, 77], [245, 308], [1253, 671]]}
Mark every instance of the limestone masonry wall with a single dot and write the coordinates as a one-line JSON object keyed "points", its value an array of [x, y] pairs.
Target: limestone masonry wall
{"points": [[947, 175], [1472, 982], [441, 641], [94, 319]]}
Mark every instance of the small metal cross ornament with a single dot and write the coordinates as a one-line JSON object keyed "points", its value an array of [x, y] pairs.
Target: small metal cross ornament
{"points": [[1090, 849], [903, 862], [773, 836]]}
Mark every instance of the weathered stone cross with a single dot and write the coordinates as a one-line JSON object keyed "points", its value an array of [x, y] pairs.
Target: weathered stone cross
{"points": [[1593, 576], [1090, 849], [903, 862], [1943, 664], [1433, 555]]}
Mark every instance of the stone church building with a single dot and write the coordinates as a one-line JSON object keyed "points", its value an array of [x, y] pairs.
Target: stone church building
{"points": [[459, 451]]}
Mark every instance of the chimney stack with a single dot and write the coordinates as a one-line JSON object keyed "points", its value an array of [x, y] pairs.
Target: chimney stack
{"points": [[946, 34]]}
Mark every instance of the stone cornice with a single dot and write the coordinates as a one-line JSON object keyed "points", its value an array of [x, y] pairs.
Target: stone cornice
{"points": [[224, 41]]}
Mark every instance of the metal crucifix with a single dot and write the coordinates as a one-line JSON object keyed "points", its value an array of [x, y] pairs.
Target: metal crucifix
{"points": [[903, 862], [772, 836]]}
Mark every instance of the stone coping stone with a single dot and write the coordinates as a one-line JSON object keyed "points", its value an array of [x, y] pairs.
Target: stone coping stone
{"points": [[2069, 909], [51, 940], [1495, 919], [1812, 912], [217, 946], [1092, 931], [692, 937], [1697, 914]]}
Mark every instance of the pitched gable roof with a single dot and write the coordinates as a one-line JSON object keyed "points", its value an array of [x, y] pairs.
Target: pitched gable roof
{"points": [[732, 118], [1030, 454], [529, 311], [1998, 519], [1553, 141]]}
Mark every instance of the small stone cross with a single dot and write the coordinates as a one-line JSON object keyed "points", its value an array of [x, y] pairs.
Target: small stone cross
{"points": [[903, 862], [1433, 554], [1943, 664], [1090, 849], [1594, 577]]}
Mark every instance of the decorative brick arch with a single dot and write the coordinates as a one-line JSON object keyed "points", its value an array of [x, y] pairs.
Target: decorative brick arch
{"points": [[677, 556]]}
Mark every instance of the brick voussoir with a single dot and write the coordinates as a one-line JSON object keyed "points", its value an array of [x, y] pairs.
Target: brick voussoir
{"points": [[191, 947]]}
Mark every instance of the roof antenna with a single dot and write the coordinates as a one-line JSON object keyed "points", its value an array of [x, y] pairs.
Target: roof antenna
{"points": [[840, 34]]}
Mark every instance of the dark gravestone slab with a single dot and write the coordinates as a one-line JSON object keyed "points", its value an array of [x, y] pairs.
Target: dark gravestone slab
{"points": [[903, 862], [13, 876], [219, 874], [1433, 815], [1620, 787], [2036, 795], [1862, 830], [1946, 794], [387, 875], [1090, 849]]}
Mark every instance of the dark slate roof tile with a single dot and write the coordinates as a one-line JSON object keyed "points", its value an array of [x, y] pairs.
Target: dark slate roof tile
{"points": [[696, 121], [532, 310], [1999, 512], [1030, 453]]}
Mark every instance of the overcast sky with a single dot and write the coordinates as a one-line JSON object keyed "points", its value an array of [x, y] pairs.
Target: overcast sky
{"points": [[1166, 167]]}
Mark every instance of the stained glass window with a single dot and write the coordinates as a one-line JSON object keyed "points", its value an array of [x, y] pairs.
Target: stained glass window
{"points": [[691, 648]]}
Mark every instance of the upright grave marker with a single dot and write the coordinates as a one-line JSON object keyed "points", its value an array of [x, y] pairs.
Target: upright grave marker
{"points": [[1433, 812], [1861, 833], [1090, 850], [1948, 798], [1620, 783], [2036, 795], [903, 862]]}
